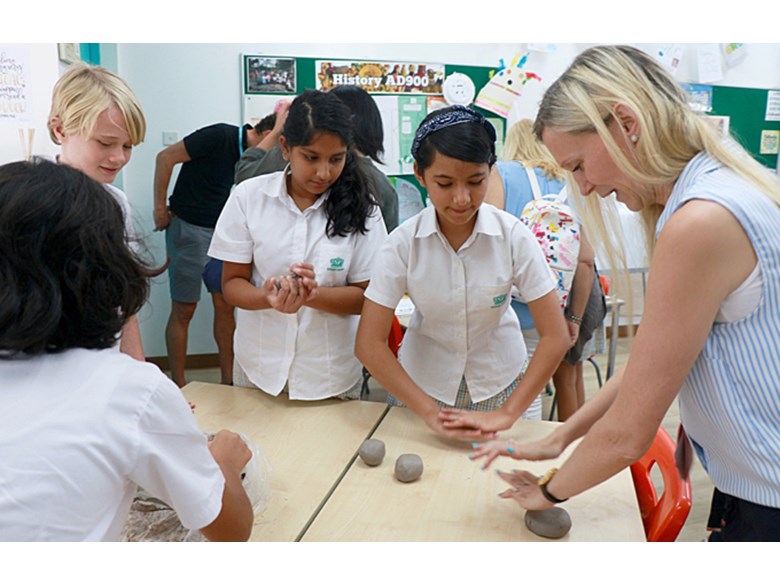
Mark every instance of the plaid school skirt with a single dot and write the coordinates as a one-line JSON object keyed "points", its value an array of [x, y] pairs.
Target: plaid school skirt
{"points": [[463, 400]]}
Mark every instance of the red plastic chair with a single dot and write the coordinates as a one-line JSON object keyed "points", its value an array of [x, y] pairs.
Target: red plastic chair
{"points": [[663, 517], [396, 336], [393, 342], [605, 281]]}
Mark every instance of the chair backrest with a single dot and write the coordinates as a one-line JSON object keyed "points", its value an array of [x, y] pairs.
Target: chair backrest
{"points": [[605, 281], [663, 517], [396, 335]]}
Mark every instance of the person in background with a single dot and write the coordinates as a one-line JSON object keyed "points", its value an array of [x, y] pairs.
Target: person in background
{"points": [[297, 248], [83, 425], [510, 189], [463, 356], [207, 156], [97, 120], [266, 157], [710, 331]]}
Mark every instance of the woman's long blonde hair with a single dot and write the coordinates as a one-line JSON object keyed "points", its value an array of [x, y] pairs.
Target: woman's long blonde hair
{"points": [[584, 99], [522, 145]]}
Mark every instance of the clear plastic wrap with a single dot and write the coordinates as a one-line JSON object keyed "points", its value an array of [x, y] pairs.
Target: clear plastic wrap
{"points": [[152, 520]]}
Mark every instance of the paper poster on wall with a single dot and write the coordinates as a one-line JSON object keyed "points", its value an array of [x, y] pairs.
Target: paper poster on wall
{"points": [[770, 140], [381, 76], [411, 112], [269, 74], [410, 199], [257, 107], [722, 123], [670, 56], [15, 95], [772, 106], [709, 67], [505, 86], [735, 53], [699, 96]]}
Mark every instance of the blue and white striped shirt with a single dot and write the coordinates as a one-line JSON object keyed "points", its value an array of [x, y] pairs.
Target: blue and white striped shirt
{"points": [[730, 401]]}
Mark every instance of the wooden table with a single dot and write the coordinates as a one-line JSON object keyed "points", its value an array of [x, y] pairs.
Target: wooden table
{"points": [[455, 500], [321, 491], [309, 446]]}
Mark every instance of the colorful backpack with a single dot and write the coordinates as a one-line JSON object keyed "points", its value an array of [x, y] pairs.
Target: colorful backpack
{"points": [[556, 228]]}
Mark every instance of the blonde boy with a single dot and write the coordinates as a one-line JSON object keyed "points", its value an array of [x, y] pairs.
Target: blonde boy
{"points": [[97, 120]]}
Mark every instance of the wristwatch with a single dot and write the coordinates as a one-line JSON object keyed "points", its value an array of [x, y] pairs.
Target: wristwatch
{"points": [[574, 318], [543, 481]]}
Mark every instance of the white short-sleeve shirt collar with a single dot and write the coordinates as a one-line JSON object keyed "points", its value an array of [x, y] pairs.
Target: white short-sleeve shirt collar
{"points": [[311, 351], [463, 325]]}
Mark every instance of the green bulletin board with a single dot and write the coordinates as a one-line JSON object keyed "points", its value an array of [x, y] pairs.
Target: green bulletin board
{"points": [[746, 108], [257, 104]]}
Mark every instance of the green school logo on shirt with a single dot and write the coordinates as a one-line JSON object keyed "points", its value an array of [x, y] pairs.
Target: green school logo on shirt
{"points": [[498, 301], [336, 264]]}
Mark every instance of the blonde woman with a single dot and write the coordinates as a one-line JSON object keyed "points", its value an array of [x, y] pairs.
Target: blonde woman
{"points": [[97, 120], [710, 331], [510, 189]]}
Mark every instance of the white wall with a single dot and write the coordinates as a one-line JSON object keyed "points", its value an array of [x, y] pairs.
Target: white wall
{"points": [[185, 86]]}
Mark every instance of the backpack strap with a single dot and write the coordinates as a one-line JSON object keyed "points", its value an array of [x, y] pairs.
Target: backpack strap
{"points": [[532, 178], [534, 182]]}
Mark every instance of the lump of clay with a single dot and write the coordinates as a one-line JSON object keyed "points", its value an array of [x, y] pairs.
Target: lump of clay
{"points": [[408, 467], [372, 451], [295, 277], [554, 522]]}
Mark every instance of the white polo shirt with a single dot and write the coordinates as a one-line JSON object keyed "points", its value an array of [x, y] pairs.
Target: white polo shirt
{"points": [[312, 351], [80, 430], [463, 325]]}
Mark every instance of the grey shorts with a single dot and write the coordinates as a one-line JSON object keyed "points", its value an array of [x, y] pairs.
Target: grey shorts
{"points": [[187, 246]]}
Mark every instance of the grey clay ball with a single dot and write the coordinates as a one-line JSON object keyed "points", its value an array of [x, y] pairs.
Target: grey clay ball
{"points": [[554, 522], [372, 451], [408, 467]]}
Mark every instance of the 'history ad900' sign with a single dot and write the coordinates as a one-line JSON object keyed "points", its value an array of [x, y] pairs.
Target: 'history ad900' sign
{"points": [[381, 77]]}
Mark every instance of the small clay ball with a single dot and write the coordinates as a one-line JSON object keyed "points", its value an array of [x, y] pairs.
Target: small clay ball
{"points": [[408, 467], [554, 522], [372, 451]]}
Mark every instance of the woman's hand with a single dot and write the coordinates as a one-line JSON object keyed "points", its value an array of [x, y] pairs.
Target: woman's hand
{"points": [[574, 331], [524, 490], [536, 451], [489, 422]]}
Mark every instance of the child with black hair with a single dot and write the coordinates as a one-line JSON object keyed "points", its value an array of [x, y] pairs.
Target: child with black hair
{"points": [[82, 424], [266, 157], [463, 350], [298, 247]]}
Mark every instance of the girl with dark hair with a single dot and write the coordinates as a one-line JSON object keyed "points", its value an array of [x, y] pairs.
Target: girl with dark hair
{"points": [[83, 425], [298, 248], [458, 260], [368, 148]]}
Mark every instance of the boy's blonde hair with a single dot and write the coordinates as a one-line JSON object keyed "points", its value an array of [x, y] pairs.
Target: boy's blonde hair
{"points": [[83, 93], [522, 145]]}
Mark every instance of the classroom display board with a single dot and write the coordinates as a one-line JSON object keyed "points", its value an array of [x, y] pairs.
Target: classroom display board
{"points": [[751, 116], [405, 92]]}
